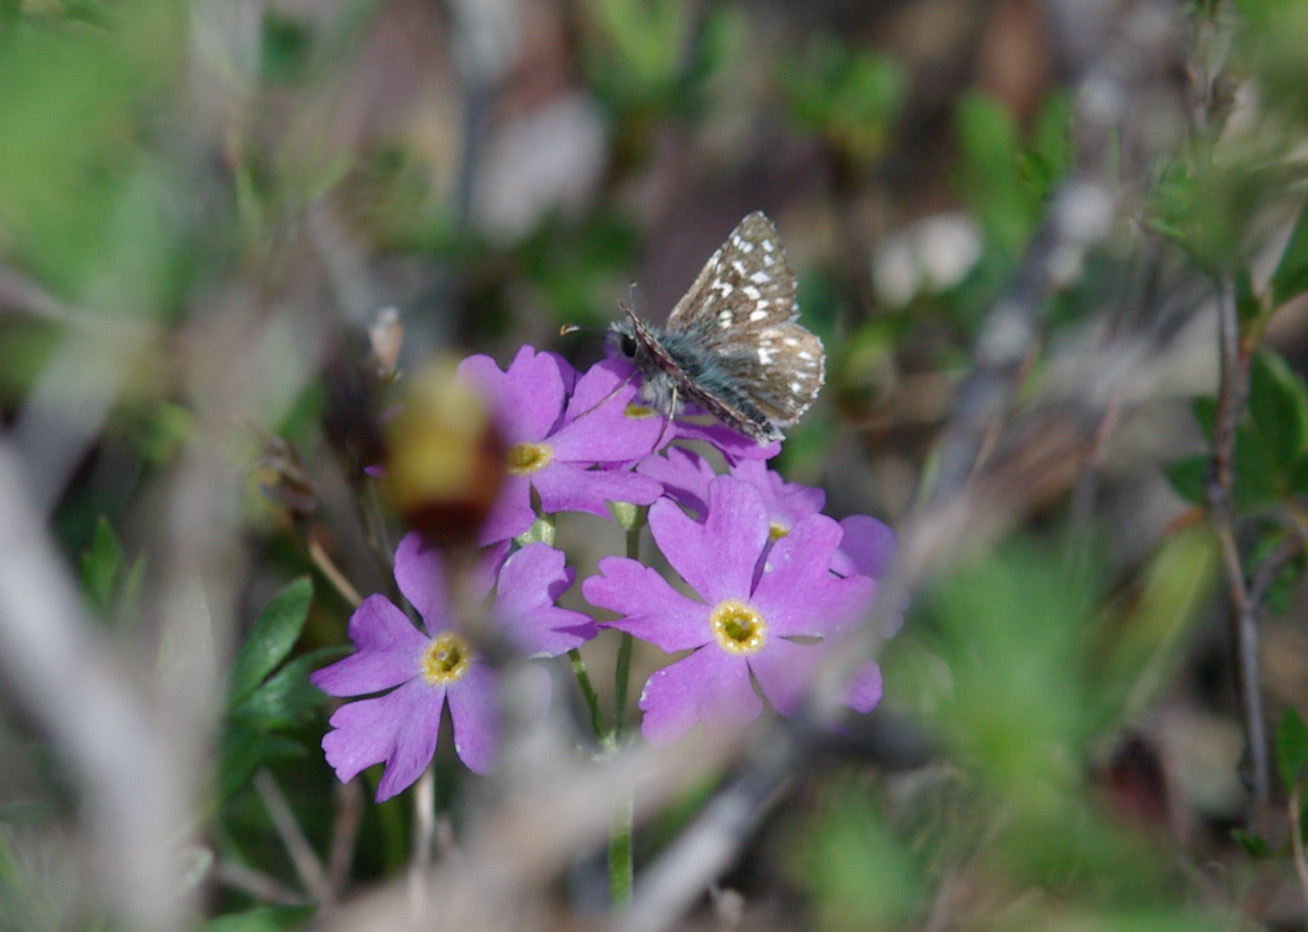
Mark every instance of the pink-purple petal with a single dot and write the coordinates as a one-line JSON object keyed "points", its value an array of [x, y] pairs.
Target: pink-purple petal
{"points": [[607, 381], [415, 740], [734, 703], [804, 553], [511, 514], [530, 582], [734, 445], [652, 610], [368, 671], [865, 689], [708, 686], [474, 710], [787, 503], [825, 607], [421, 578], [684, 475], [398, 728], [596, 428], [378, 625], [797, 594], [527, 399], [566, 372], [783, 668], [362, 734], [716, 558], [867, 547], [606, 435], [565, 487]]}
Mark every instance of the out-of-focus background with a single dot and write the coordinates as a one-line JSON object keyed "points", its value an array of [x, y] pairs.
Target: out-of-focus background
{"points": [[1045, 246]]}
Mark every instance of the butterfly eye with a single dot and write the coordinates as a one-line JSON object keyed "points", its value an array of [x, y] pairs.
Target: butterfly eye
{"points": [[628, 345]]}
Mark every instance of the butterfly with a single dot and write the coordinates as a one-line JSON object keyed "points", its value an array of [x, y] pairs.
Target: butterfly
{"points": [[732, 344]]}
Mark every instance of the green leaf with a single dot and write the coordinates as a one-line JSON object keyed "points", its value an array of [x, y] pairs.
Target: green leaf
{"points": [[1253, 845], [272, 637], [1279, 595], [101, 564], [263, 919], [1299, 477], [1259, 480], [1291, 275], [991, 179], [1189, 478], [129, 592], [1278, 404], [287, 696], [244, 750], [1292, 748]]}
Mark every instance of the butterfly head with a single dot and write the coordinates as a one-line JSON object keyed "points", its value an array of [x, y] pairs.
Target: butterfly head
{"points": [[632, 340], [620, 340]]}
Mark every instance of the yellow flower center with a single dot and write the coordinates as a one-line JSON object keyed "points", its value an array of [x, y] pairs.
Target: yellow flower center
{"points": [[529, 457], [739, 628], [638, 412], [777, 531], [446, 659]]}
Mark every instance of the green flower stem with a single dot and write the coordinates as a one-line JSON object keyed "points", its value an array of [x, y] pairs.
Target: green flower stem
{"points": [[621, 874], [587, 690], [621, 680], [543, 530]]}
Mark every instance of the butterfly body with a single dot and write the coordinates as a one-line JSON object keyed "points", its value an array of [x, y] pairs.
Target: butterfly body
{"points": [[732, 344]]}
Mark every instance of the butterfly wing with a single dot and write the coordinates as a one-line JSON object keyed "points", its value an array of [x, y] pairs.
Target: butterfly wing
{"points": [[745, 285], [742, 308], [784, 369]]}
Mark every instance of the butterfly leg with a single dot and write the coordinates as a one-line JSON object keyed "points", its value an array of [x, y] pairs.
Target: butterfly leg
{"points": [[667, 424]]}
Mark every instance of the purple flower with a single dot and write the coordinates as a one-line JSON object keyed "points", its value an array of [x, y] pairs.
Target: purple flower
{"points": [[749, 612], [552, 449], [530, 583], [866, 547], [425, 669]]}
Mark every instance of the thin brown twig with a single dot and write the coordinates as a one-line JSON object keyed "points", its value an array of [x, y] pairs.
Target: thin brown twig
{"points": [[1232, 393], [424, 835], [257, 884], [328, 568], [307, 865], [349, 816], [1271, 567], [1294, 807], [21, 295]]}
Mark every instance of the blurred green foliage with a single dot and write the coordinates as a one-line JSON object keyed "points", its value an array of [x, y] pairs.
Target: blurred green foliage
{"points": [[650, 58], [849, 96], [85, 189], [857, 870]]}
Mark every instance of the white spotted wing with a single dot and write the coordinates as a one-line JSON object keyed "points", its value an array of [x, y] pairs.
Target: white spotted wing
{"points": [[741, 307]]}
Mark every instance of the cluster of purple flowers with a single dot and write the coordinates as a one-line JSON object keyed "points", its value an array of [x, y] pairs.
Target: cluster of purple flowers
{"points": [[774, 581]]}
